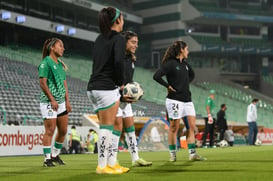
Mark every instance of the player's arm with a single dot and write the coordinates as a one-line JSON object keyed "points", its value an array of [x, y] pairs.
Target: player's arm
{"points": [[210, 119], [158, 77], [119, 63], [45, 89], [68, 106]]}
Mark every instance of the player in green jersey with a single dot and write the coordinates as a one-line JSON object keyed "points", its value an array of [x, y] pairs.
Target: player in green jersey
{"points": [[54, 101], [209, 120]]}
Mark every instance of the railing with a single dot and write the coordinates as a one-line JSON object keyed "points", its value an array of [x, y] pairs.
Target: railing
{"points": [[4, 115], [28, 117]]}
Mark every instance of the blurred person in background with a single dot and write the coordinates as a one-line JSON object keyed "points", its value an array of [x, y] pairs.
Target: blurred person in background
{"points": [[91, 142], [229, 136], [209, 120], [221, 121], [54, 101], [251, 118], [74, 141]]}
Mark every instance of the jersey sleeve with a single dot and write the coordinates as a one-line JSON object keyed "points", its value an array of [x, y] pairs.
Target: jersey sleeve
{"points": [[160, 73], [208, 102], [119, 54], [43, 70]]}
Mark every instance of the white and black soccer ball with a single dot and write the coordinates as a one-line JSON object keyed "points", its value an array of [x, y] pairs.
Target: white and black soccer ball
{"points": [[258, 142], [223, 144], [133, 90]]}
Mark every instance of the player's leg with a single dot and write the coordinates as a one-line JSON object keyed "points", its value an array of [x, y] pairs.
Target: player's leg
{"points": [[189, 111], [205, 134], [130, 137], [61, 122], [255, 132], [49, 116], [211, 135], [193, 156], [106, 105], [174, 126], [174, 109], [250, 133], [113, 153]]}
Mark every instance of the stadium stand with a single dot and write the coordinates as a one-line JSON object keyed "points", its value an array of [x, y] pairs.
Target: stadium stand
{"points": [[20, 88], [20, 94], [237, 101]]}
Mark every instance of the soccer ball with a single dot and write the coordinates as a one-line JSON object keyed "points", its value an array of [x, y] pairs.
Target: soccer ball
{"points": [[258, 142], [223, 143], [133, 90]]}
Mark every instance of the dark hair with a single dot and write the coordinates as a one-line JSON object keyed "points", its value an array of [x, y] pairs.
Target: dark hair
{"points": [[47, 45], [128, 35], [107, 17], [73, 127], [222, 106], [255, 100], [174, 50]]}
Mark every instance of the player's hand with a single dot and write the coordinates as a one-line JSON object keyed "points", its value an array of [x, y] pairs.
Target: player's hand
{"points": [[128, 99], [171, 89], [210, 119], [54, 105], [121, 88], [68, 107]]}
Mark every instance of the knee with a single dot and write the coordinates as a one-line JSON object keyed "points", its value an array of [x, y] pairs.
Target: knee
{"points": [[173, 129], [49, 132], [63, 131]]}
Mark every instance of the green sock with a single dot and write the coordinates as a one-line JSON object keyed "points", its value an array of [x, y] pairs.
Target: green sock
{"points": [[130, 129], [191, 149], [172, 150], [47, 152], [56, 149]]}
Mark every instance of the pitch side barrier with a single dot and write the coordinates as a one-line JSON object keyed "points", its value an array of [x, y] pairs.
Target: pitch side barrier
{"points": [[27, 140]]}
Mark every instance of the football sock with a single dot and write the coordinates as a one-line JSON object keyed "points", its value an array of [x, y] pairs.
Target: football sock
{"points": [[112, 159], [131, 141], [47, 152], [104, 142], [191, 149], [172, 150], [56, 149]]}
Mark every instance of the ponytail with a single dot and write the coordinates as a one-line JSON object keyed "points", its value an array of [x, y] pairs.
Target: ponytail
{"points": [[107, 17], [173, 50], [47, 46]]}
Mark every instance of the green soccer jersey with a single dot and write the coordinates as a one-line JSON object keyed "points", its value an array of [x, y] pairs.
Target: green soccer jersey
{"points": [[210, 102], [55, 75]]}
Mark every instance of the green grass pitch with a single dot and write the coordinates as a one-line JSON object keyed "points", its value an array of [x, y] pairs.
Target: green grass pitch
{"points": [[233, 163]]}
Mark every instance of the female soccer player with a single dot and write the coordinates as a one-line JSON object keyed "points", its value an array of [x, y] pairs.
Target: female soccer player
{"points": [[54, 101], [125, 116], [106, 78], [179, 74]]}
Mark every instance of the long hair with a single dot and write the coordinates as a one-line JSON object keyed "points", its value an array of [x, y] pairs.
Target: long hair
{"points": [[47, 48], [107, 17], [128, 35], [174, 50]]}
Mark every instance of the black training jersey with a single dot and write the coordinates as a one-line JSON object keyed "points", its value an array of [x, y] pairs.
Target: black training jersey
{"points": [[179, 75], [129, 69], [108, 65]]}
